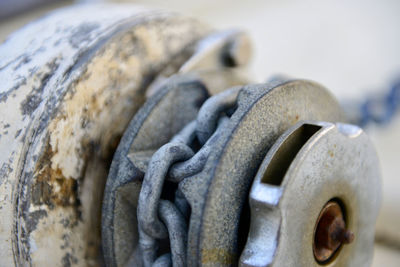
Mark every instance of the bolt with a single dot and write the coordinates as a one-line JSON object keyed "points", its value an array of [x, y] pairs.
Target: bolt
{"points": [[330, 232]]}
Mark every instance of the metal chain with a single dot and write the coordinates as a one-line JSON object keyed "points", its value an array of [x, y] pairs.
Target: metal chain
{"points": [[159, 218], [378, 109]]}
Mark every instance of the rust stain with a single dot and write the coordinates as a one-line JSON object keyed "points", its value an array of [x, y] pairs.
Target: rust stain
{"points": [[294, 118], [82, 137], [217, 256], [51, 187]]}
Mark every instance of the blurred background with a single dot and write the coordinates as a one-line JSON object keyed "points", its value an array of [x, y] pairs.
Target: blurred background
{"points": [[351, 47]]}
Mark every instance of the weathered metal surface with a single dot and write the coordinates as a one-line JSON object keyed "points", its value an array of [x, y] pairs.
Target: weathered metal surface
{"points": [[255, 120], [160, 118], [229, 48], [333, 163], [140, 153], [174, 162], [120, 235], [70, 83], [217, 195], [330, 232]]}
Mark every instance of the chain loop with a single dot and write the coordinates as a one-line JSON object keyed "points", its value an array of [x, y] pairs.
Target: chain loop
{"points": [[181, 170], [209, 113], [162, 261], [177, 231], [152, 185], [175, 161], [379, 109]]}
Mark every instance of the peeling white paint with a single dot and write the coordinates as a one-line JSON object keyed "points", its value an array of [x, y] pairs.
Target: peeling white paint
{"points": [[87, 88]]}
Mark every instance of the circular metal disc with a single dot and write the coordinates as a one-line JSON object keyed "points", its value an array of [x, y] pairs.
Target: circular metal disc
{"points": [[218, 195], [337, 163]]}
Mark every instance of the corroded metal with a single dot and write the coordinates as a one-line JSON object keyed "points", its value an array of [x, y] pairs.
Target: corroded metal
{"points": [[175, 105], [330, 232], [86, 79], [174, 101], [70, 84], [332, 163], [216, 243], [218, 195], [174, 162]]}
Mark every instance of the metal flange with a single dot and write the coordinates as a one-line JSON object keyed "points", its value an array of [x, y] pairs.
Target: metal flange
{"points": [[217, 192], [316, 190], [218, 195], [78, 77]]}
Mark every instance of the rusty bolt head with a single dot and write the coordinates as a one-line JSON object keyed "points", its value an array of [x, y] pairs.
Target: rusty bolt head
{"points": [[330, 232]]}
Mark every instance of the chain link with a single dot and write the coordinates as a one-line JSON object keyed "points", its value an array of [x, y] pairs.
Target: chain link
{"points": [[175, 161], [159, 218], [378, 108]]}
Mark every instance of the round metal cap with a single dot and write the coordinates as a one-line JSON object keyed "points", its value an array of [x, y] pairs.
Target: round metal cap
{"points": [[317, 188]]}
